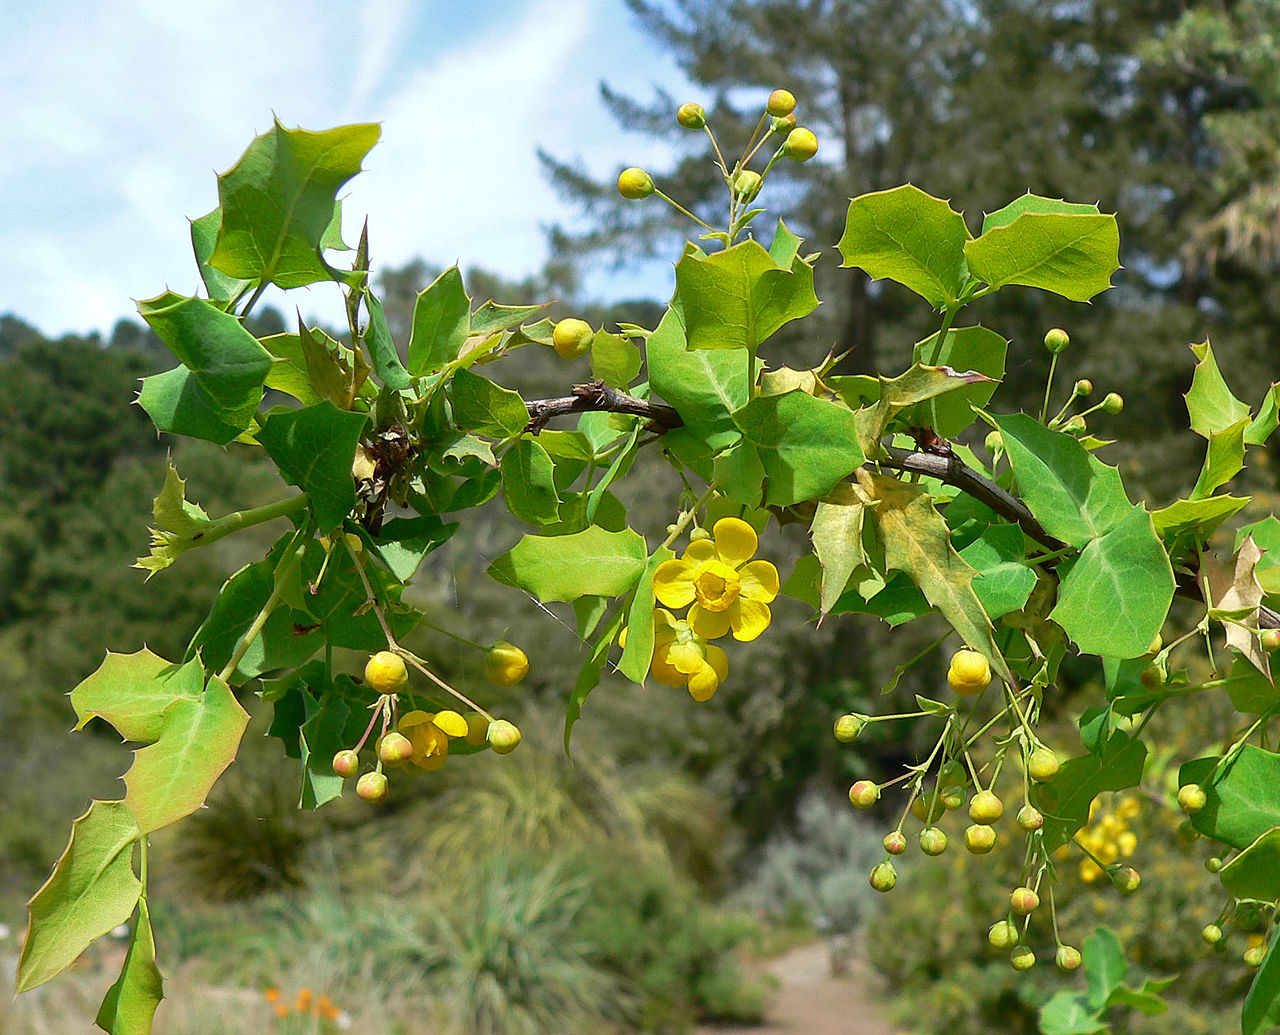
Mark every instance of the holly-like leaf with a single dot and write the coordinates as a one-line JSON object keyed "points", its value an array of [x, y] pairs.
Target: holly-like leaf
{"points": [[442, 322], [402, 543], [614, 359], [1116, 595], [1242, 803], [480, 405], [836, 531], [1223, 460], [92, 890], [278, 203], [965, 349], [1074, 495], [328, 369], [1034, 203], [1065, 799], [590, 562], [1003, 582], [1255, 872], [1067, 1013], [910, 237], [1245, 594], [1249, 690], [491, 318], [216, 391], [204, 237], [322, 735], [198, 740], [314, 448], [1265, 423], [918, 384], [805, 445], [704, 385], [639, 649], [1210, 403], [1195, 517], [528, 480], [386, 358], [178, 524], [1104, 965], [1266, 533], [132, 692], [1072, 254], [736, 298], [130, 1003], [917, 542]]}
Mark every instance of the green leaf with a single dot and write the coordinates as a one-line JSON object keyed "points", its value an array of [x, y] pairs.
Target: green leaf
{"points": [[1065, 799], [386, 360], [704, 386], [908, 236], [614, 359], [278, 203], [1266, 533], [898, 601], [1261, 1011], [589, 674], [1210, 404], [1265, 423], [1255, 872], [965, 349], [1073, 494], [1242, 803], [917, 542], [402, 543], [1116, 595], [1250, 691], [1223, 460], [442, 322], [620, 465], [321, 736], [528, 479], [1071, 254], [289, 372], [329, 366], [1003, 582], [92, 890], [1067, 1013], [805, 445], [836, 531], [132, 691], [215, 393], [130, 1004], [204, 236], [1195, 517], [491, 317], [480, 405], [198, 740], [314, 448], [739, 473], [590, 562], [1034, 203], [736, 298], [918, 384], [639, 649], [1104, 965]]}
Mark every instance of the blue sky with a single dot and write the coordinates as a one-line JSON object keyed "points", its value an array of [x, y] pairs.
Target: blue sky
{"points": [[118, 115]]}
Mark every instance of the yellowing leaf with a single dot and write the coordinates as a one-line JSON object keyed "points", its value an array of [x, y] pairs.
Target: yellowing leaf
{"points": [[1245, 593]]}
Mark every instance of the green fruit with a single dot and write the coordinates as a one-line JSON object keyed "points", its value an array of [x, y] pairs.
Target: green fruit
{"points": [[1023, 901], [1067, 958], [801, 145], [933, 841], [372, 787], [1030, 818], [1042, 765], [1056, 340], [635, 184], [1192, 798], [895, 842], [1022, 958], [986, 807], [848, 727], [980, 838], [503, 736], [884, 877], [691, 115], [863, 794], [346, 763], [572, 338], [1003, 934], [780, 103]]}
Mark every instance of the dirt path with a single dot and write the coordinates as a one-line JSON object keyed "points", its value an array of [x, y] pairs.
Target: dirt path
{"points": [[810, 1001]]}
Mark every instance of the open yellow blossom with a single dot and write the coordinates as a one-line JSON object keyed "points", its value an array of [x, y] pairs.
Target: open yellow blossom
{"points": [[682, 658], [727, 590], [430, 742]]}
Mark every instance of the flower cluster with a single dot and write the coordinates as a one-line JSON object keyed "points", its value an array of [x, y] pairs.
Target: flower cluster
{"points": [[1107, 838], [307, 1004], [725, 591]]}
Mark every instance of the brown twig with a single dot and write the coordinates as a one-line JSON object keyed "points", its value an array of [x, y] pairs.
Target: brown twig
{"points": [[598, 396]]}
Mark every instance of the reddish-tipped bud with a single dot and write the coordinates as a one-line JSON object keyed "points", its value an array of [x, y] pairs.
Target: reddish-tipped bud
{"points": [[346, 764], [691, 115], [634, 184], [372, 787], [1126, 879], [933, 841], [895, 842], [781, 102], [1067, 958], [1023, 901], [1056, 340], [801, 145], [1270, 640], [395, 747], [1030, 818], [863, 794]]}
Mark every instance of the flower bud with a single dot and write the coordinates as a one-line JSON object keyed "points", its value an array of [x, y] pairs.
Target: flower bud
{"points": [[1113, 403], [1022, 958], [979, 838], [1056, 340], [1003, 934], [848, 727], [395, 747], [504, 736], [986, 807], [969, 672], [863, 794], [1067, 958], [1030, 818], [994, 443], [895, 842], [572, 338], [884, 877], [505, 664], [782, 125], [1042, 764], [1211, 933], [634, 184], [1254, 957], [1269, 640], [1023, 901], [1125, 879], [1213, 864], [1083, 387], [801, 145], [747, 184], [780, 103], [691, 115], [372, 787], [933, 841], [385, 673], [346, 763], [1192, 798]]}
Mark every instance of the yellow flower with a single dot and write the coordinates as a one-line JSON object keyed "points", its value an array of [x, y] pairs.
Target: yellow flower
{"points": [[682, 658], [727, 589], [430, 742]]}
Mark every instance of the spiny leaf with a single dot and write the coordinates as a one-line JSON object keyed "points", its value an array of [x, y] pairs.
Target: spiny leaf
{"points": [[132, 692], [130, 1003]]}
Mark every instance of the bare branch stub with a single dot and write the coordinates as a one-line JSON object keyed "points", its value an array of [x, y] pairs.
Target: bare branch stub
{"points": [[596, 396]]}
